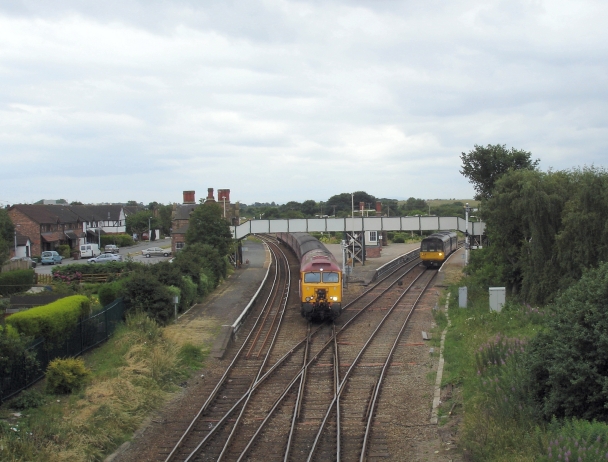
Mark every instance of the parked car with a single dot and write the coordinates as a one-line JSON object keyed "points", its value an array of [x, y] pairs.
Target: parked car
{"points": [[50, 257], [110, 248], [156, 251], [32, 263], [105, 258]]}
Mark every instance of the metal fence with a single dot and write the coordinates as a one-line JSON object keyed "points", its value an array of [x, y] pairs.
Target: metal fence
{"points": [[21, 373]]}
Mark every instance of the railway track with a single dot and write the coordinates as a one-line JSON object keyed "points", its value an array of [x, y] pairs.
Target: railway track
{"points": [[298, 391]]}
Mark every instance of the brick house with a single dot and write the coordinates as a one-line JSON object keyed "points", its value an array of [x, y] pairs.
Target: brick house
{"points": [[181, 214], [49, 226]]}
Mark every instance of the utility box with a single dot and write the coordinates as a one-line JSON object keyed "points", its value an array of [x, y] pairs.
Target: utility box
{"points": [[462, 297], [497, 298]]}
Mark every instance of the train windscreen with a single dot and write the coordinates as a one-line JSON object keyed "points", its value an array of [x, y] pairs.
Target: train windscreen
{"points": [[430, 245], [331, 277], [312, 277]]}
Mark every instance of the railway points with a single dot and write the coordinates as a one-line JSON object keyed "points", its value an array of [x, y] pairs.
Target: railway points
{"points": [[223, 304]]}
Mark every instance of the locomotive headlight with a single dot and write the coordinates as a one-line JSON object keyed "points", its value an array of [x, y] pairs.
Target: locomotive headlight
{"points": [[441, 254], [335, 299], [308, 299]]}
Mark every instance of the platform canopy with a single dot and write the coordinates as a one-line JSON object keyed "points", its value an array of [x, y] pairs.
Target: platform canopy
{"points": [[356, 224]]}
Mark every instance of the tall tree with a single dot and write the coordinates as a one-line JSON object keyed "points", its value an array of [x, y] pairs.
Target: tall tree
{"points": [[208, 226], [483, 166], [139, 222], [7, 234]]}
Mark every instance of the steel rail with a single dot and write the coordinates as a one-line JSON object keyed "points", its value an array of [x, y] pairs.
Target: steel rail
{"points": [[277, 364], [222, 380], [374, 400], [352, 366], [263, 365]]}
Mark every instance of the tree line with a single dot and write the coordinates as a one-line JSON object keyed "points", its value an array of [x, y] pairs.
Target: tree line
{"points": [[548, 244]]}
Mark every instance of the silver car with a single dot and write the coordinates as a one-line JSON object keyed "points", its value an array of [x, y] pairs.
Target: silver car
{"points": [[156, 251], [105, 258]]}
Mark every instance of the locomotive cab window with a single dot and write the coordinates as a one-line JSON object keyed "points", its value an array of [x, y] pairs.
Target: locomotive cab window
{"points": [[331, 277], [312, 277], [429, 246]]}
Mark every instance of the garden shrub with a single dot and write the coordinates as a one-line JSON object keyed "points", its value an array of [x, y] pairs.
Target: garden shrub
{"points": [[66, 375], [64, 250], [28, 399], [53, 321], [14, 353], [13, 282], [144, 292], [109, 292], [121, 240]]}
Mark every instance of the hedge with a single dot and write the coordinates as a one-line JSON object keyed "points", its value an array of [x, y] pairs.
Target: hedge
{"points": [[13, 282], [52, 321], [121, 240]]}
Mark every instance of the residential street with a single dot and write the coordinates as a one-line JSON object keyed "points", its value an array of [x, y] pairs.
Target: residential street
{"points": [[133, 251]]}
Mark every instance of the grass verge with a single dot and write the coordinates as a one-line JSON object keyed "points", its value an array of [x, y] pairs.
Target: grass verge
{"points": [[484, 360], [132, 374]]}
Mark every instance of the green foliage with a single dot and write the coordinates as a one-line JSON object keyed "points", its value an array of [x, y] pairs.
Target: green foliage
{"points": [[144, 293], [121, 240], [208, 226], [191, 355], [544, 230], [567, 362], [14, 353], [64, 376], [64, 250], [483, 166], [75, 271], [53, 321], [578, 440], [137, 223], [13, 282], [109, 292], [28, 399]]}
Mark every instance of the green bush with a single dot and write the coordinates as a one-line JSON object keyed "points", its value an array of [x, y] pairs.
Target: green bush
{"points": [[109, 292], [567, 363], [145, 293], [121, 240], [66, 375], [13, 282], [14, 353], [53, 321], [28, 399], [64, 250]]}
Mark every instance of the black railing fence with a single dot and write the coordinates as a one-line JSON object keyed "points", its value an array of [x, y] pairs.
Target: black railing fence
{"points": [[19, 375]]}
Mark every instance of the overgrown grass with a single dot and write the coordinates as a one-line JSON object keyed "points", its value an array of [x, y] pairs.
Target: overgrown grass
{"points": [[132, 374], [484, 357]]}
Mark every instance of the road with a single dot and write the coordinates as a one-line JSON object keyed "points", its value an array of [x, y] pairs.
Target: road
{"points": [[133, 251]]}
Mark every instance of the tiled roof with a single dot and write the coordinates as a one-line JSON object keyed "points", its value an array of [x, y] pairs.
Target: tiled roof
{"points": [[98, 212], [47, 214], [53, 237], [181, 230], [183, 211]]}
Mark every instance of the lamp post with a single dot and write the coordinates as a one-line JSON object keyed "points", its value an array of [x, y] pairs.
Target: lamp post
{"points": [[15, 241], [466, 234], [149, 230]]}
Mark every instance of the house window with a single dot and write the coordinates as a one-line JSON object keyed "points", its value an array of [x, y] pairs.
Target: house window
{"points": [[373, 236], [179, 245]]}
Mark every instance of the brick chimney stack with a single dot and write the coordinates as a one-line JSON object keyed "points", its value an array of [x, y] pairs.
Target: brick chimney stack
{"points": [[189, 197], [210, 197], [361, 206], [378, 208], [223, 194]]}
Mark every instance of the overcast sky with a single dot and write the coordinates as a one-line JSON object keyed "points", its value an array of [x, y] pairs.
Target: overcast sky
{"points": [[281, 100]]}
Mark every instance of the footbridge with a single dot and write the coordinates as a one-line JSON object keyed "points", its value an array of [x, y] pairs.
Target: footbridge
{"points": [[357, 225]]}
